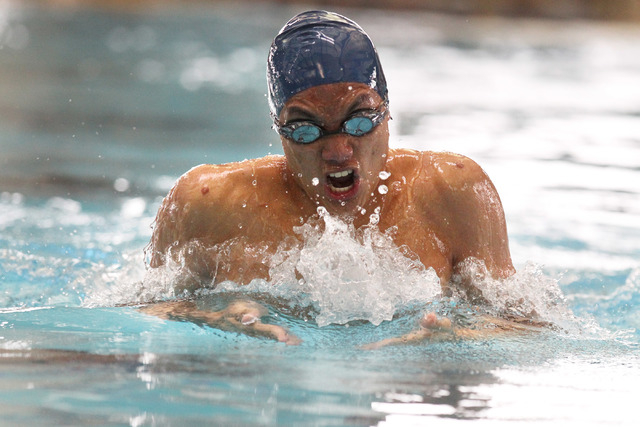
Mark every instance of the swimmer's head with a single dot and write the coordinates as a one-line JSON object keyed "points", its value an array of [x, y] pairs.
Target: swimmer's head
{"points": [[316, 48]]}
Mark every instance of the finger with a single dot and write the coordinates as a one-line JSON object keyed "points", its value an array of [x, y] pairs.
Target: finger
{"points": [[277, 332], [241, 307], [411, 337], [431, 321], [257, 328]]}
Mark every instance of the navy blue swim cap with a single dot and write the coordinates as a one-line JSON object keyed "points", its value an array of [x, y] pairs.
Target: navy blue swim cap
{"points": [[316, 48]]}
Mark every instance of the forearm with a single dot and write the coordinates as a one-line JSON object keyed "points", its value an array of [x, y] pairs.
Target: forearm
{"points": [[241, 316]]}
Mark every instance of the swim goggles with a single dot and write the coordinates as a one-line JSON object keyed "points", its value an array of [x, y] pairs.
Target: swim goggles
{"points": [[358, 124]]}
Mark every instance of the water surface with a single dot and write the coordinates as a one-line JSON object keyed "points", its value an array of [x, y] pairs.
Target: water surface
{"points": [[102, 110]]}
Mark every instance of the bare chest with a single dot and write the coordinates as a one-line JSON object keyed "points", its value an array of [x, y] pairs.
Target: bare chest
{"points": [[265, 237], [423, 237]]}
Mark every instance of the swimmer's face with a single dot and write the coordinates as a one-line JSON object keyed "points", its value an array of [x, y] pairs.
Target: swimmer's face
{"points": [[338, 171]]}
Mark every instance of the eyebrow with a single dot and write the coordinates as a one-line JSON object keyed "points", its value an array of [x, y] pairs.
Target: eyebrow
{"points": [[356, 102], [300, 113]]}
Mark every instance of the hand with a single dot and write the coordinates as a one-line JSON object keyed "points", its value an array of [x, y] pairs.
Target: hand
{"points": [[434, 329], [242, 316], [431, 328]]}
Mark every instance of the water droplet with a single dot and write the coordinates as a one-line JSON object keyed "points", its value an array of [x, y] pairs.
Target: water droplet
{"points": [[244, 205], [384, 175], [121, 184], [363, 211], [382, 189], [374, 218], [239, 225], [315, 181], [254, 182], [343, 203]]}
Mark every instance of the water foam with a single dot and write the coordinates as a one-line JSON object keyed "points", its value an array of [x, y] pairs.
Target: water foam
{"points": [[127, 283], [346, 274], [341, 274]]}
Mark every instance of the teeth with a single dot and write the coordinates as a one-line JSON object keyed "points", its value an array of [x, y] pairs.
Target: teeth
{"points": [[340, 190], [341, 174]]}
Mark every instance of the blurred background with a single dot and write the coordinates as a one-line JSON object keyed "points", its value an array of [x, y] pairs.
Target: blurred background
{"points": [[104, 104], [557, 9]]}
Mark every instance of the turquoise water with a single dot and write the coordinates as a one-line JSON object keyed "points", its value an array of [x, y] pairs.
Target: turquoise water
{"points": [[100, 111]]}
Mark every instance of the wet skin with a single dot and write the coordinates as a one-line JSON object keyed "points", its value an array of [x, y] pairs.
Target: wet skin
{"points": [[444, 206]]}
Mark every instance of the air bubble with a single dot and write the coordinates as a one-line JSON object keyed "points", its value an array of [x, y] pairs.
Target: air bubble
{"points": [[315, 181], [382, 189], [384, 175]]}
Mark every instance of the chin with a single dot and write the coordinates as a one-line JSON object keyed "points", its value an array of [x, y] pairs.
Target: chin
{"points": [[345, 207]]}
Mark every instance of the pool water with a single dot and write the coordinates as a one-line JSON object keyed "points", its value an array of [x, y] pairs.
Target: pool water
{"points": [[101, 110]]}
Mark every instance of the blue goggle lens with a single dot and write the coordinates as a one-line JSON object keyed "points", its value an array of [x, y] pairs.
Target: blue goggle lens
{"points": [[358, 126], [308, 132]]}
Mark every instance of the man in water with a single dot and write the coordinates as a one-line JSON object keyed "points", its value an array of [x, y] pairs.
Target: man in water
{"points": [[329, 102]]}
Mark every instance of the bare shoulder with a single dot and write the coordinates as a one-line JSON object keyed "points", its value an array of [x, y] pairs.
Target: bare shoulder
{"points": [[456, 171], [456, 193], [207, 200], [222, 186], [460, 185], [437, 176], [452, 169]]}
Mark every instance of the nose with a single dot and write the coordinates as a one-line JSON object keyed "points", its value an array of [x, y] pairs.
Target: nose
{"points": [[337, 149]]}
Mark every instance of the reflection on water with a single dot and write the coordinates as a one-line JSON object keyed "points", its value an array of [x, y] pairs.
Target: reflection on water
{"points": [[101, 111]]}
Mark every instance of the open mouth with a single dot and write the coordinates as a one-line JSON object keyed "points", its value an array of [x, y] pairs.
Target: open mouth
{"points": [[342, 182]]}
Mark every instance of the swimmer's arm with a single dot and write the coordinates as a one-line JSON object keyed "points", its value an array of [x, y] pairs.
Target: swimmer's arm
{"points": [[173, 222], [193, 216], [475, 219], [241, 316], [434, 329], [207, 204]]}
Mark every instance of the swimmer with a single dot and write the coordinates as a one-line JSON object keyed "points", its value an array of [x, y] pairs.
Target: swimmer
{"points": [[330, 106]]}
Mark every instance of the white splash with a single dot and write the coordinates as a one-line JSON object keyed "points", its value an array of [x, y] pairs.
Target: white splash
{"points": [[341, 274], [529, 294], [347, 274]]}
